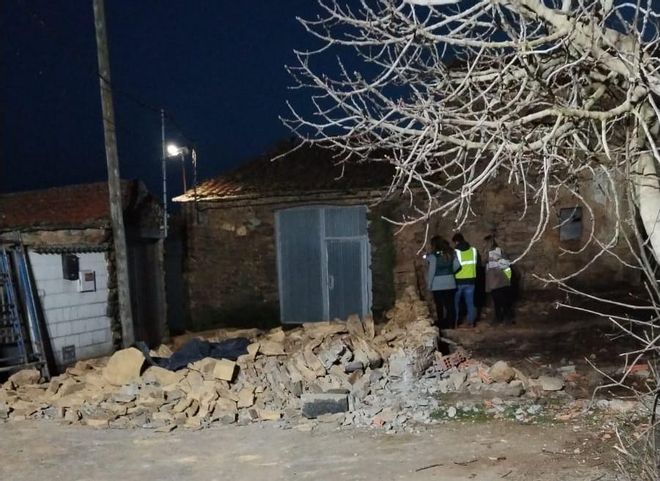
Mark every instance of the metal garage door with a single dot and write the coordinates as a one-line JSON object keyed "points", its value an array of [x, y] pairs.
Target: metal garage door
{"points": [[323, 263]]}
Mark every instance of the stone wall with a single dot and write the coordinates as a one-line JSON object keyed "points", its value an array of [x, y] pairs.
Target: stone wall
{"points": [[231, 265], [498, 209]]}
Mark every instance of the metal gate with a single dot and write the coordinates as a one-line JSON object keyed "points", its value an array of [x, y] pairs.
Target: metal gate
{"points": [[323, 263]]}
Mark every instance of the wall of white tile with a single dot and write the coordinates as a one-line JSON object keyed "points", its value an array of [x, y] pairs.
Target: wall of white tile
{"points": [[74, 318]]}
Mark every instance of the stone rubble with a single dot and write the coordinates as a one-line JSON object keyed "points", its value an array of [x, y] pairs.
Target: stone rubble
{"points": [[322, 375]]}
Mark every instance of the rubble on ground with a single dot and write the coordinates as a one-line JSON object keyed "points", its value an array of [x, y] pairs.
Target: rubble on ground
{"points": [[326, 374]]}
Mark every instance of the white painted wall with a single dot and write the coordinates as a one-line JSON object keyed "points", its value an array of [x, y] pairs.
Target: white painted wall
{"points": [[74, 318]]}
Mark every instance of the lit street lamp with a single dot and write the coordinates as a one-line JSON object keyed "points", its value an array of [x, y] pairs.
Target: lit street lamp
{"points": [[169, 151], [173, 150]]}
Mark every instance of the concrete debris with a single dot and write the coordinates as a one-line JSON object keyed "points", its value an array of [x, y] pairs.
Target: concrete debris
{"points": [[317, 370]]}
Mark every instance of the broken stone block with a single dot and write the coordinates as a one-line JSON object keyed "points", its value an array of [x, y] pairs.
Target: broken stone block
{"points": [[297, 361], [55, 384], [271, 348], [331, 352], [161, 351], [320, 330], [313, 362], [246, 397], [457, 379], [124, 366], [269, 415], [361, 387], [252, 350], [204, 366], [501, 372], [182, 405], [355, 327], [226, 405], [161, 376], [314, 405], [24, 377], [69, 387], [365, 353], [549, 383], [224, 417], [97, 423], [224, 369], [369, 327], [353, 366], [72, 415]]}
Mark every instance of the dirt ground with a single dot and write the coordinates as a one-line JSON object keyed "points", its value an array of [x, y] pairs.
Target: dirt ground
{"points": [[34, 451]]}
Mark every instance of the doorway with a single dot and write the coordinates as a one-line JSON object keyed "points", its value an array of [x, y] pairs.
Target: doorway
{"points": [[324, 261]]}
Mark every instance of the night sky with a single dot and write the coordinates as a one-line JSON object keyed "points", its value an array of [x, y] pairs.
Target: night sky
{"points": [[216, 66]]}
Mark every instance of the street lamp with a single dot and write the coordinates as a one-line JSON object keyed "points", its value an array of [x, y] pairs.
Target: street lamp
{"points": [[173, 150]]}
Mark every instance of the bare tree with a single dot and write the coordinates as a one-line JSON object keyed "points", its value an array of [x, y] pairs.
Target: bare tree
{"points": [[543, 93]]}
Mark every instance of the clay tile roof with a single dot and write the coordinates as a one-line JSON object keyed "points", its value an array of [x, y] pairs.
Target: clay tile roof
{"points": [[71, 206], [306, 170]]}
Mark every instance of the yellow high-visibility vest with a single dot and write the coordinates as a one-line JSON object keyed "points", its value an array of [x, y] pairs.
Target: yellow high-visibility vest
{"points": [[468, 261], [507, 273]]}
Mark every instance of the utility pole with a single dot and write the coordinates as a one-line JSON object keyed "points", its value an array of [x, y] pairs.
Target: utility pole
{"points": [[114, 180]]}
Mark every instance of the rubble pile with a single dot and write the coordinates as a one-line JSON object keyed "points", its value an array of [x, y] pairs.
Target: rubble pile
{"points": [[314, 370]]}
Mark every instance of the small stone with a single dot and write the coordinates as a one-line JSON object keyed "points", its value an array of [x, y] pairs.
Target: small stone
{"points": [[458, 379], [534, 409], [451, 412], [549, 383], [501, 372]]}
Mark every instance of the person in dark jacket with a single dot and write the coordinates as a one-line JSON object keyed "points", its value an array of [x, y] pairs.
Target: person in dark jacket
{"points": [[442, 264], [466, 278], [498, 284]]}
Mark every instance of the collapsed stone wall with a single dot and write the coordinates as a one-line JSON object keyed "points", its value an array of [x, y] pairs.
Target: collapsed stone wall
{"points": [[283, 375]]}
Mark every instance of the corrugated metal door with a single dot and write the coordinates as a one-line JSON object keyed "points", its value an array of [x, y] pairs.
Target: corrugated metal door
{"points": [[300, 274], [323, 261]]}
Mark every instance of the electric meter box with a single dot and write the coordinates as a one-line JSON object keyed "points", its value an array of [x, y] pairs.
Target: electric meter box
{"points": [[87, 281], [70, 267]]}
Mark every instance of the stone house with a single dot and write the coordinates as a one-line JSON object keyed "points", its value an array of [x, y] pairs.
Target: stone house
{"points": [[68, 237], [301, 239]]}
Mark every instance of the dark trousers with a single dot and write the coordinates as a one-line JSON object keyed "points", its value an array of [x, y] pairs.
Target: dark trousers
{"points": [[444, 306], [503, 300]]}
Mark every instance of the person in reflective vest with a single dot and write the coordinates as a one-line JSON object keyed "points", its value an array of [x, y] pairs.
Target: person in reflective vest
{"points": [[498, 284], [442, 264], [466, 278]]}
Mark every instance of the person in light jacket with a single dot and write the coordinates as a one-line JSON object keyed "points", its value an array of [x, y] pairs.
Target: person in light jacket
{"points": [[442, 264], [498, 284]]}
